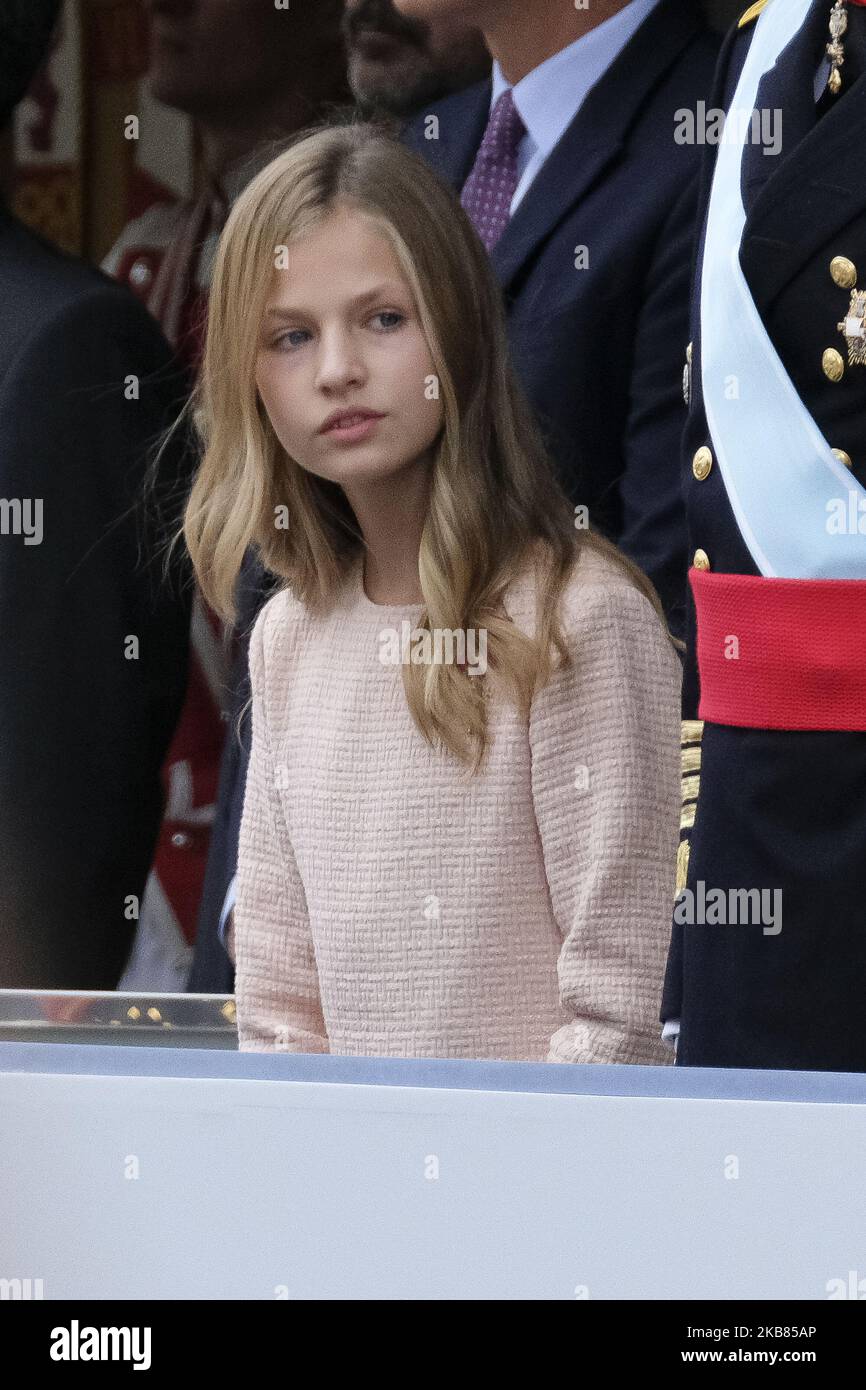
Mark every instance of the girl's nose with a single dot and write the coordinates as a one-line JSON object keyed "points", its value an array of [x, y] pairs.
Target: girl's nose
{"points": [[340, 363]]}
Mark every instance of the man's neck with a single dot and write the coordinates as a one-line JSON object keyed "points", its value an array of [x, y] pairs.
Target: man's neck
{"points": [[224, 148], [521, 37]]}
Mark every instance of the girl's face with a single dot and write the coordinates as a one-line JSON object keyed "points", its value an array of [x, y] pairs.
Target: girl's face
{"points": [[343, 367]]}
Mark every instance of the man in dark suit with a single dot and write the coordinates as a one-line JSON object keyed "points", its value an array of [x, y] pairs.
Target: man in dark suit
{"points": [[767, 966], [592, 241], [92, 635]]}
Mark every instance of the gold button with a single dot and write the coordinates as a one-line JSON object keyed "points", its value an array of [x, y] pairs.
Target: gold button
{"points": [[689, 353], [844, 272], [833, 364], [701, 560], [702, 463], [843, 457]]}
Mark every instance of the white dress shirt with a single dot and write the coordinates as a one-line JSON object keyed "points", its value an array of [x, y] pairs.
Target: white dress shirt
{"points": [[549, 97]]}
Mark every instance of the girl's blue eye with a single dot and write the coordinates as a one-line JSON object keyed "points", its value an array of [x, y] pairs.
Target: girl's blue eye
{"points": [[395, 319], [387, 319], [293, 339]]}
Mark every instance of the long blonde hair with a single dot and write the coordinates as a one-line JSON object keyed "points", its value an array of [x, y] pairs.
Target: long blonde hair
{"points": [[494, 505]]}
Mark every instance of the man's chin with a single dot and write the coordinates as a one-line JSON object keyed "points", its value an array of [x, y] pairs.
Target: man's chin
{"points": [[388, 85]]}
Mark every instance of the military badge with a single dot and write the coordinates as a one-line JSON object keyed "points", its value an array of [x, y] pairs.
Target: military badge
{"points": [[687, 376], [853, 329]]}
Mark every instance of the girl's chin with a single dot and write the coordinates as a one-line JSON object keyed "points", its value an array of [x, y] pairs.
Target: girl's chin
{"points": [[367, 470]]}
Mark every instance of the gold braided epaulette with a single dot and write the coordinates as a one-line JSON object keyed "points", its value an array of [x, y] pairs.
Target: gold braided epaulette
{"points": [[752, 13], [692, 731]]}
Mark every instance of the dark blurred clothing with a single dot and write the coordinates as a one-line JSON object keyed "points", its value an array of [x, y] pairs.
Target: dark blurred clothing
{"points": [[166, 257], [85, 717], [212, 970]]}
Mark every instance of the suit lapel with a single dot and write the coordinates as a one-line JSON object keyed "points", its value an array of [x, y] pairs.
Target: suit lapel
{"points": [[788, 91], [820, 187], [596, 134]]}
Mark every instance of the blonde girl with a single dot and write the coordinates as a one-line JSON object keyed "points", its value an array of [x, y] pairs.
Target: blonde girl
{"points": [[460, 820]]}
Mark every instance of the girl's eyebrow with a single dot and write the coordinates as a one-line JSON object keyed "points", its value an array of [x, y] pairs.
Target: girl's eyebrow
{"points": [[385, 290]]}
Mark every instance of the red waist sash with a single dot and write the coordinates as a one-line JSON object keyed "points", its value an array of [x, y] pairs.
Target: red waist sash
{"points": [[781, 653]]}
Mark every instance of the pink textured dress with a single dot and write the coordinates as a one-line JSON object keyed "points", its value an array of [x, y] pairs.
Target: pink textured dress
{"points": [[390, 904]]}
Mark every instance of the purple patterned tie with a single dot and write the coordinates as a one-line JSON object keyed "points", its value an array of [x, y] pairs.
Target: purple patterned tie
{"points": [[488, 191]]}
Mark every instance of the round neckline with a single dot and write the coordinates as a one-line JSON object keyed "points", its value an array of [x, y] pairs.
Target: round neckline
{"points": [[382, 610]]}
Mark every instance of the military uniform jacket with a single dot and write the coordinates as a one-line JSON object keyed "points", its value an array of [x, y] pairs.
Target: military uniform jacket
{"points": [[778, 810]]}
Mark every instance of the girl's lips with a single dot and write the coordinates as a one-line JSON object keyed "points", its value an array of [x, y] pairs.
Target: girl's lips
{"points": [[352, 429]]}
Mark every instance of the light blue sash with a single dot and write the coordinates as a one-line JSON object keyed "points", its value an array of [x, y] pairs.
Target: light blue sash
{"points": [[779, 471]]}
